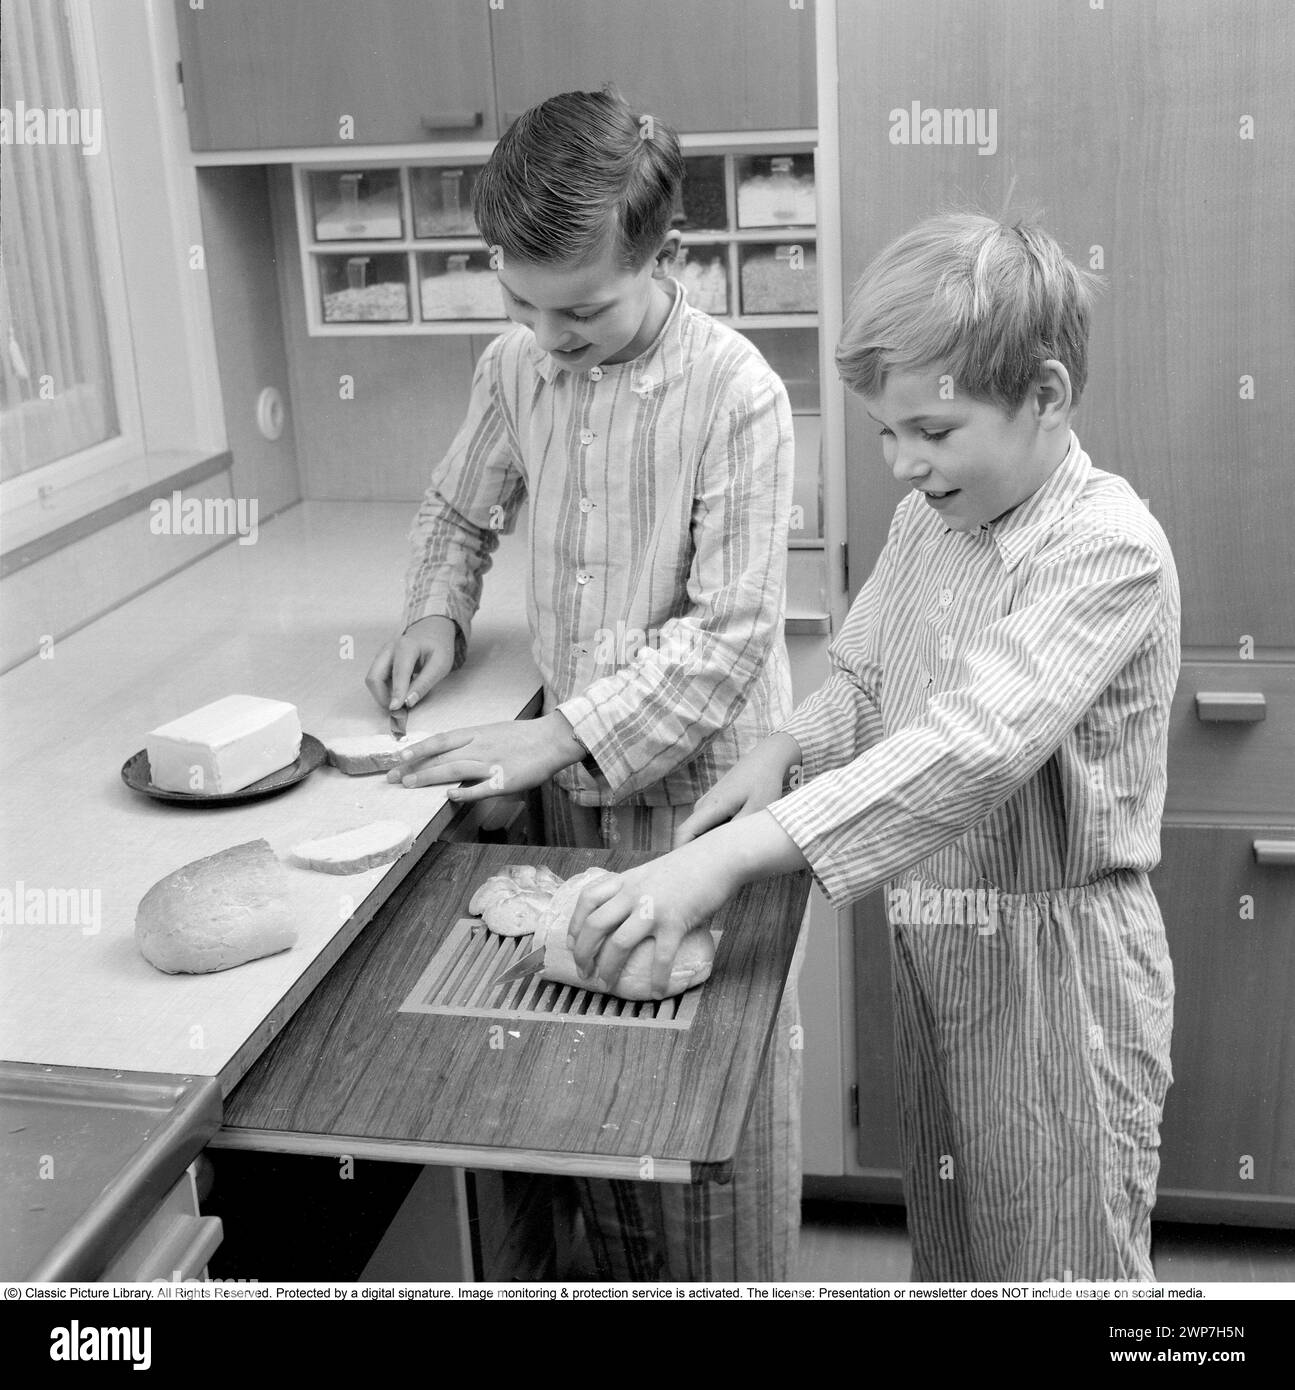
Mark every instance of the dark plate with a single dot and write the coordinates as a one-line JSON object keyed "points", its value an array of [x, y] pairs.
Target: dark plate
{"points": [[136, 774]]}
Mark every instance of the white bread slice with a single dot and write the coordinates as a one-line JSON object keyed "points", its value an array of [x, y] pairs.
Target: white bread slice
{"points": [[353, 851], [217, 912], [361, 755]]}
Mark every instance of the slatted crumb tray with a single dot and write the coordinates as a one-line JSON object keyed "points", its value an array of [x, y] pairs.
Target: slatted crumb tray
{"points": [[458, 981]]}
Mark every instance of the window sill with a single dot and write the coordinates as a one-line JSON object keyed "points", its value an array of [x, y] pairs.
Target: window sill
{"points": [[27, 536]]}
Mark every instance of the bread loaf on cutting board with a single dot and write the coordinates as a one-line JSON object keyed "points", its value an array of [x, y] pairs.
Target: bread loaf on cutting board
{"points": [[520, 914], [217, 912], [513, 901]]}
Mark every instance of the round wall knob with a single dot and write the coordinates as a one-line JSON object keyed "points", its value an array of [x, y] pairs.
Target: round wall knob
{"points": [[270, 413]]}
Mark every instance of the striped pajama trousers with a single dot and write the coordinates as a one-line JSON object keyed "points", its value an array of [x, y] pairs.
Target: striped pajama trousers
{"points": [[1032, 1062], [746, 1230]]}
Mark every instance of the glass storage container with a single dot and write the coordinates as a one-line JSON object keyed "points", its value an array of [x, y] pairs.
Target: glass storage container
{"points": [[778, 279], [364, 288], [357, 205], [703, 272], [776, 191], [442, 199], [458, 285]]}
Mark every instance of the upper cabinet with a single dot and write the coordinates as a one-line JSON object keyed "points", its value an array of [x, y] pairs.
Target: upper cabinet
{"points": [[289, 74], [266, 74], [721, 65]]}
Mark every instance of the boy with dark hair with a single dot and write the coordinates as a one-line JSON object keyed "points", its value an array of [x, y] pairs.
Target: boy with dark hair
{"points": [[654, 447], [993, 732]]}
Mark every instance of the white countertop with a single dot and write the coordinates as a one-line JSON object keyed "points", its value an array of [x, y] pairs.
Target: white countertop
{"points": [[278, 619]]}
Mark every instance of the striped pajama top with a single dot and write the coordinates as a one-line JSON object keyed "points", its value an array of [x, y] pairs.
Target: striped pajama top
{"points": [[998, 706], [659, 502]]}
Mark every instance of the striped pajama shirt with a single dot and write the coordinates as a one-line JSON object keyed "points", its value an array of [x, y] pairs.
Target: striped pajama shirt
{"points": [[990, 747], [659, 499]]}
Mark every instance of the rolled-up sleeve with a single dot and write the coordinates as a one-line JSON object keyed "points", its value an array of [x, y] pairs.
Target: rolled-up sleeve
{"points": [[1078, 619], [655, 714]]}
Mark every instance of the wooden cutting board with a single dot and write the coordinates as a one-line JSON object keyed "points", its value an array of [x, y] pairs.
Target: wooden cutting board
{"points": [[353, 1074]]}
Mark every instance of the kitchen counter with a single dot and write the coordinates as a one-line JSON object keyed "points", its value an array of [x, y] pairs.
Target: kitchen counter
{"points": [[296, 616]]}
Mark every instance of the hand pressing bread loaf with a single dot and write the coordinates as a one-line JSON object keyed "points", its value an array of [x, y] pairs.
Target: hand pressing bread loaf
{"points": [[545, 909]]}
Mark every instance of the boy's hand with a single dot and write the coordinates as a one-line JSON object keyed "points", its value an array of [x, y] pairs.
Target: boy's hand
{"points": [[411, 664], [665, 899], [497, 758], [749, 786]]}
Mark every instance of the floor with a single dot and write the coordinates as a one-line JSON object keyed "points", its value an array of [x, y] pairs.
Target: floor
{"points": [[855, 1243]]}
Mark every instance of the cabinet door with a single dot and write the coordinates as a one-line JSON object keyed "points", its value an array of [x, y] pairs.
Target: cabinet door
{"points": [[1229, 1125], [877, 1143], [263, 75], [718, 66], [1157, 141]]}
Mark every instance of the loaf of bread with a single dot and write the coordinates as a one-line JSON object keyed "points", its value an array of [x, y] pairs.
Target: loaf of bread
{"points": [[354, 851], [361, 755], [691, 965], [513, 901], [522, 900], [217, 912]]}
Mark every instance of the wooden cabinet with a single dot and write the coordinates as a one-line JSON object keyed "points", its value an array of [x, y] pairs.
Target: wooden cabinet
{"points": [[1154, 142], [265, 74], [286, 73], [1228, 1137], [719, 66], [1125, 125]]}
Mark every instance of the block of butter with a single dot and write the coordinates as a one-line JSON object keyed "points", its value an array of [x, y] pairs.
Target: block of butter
{"points": [[224, 746]]}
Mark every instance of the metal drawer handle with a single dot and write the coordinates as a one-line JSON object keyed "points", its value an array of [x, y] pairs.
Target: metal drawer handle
{"points": [[1231, 706], [451, 120], [1277, 852]]}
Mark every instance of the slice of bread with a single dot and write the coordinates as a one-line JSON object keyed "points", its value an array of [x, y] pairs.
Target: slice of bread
{"points": [[217, 912], [361, 755], [353, 851]]}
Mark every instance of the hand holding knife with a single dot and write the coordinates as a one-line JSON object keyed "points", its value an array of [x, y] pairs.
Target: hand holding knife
{"points": [[398, 720]]}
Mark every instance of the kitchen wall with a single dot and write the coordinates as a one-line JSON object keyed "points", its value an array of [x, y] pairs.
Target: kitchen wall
{"points": [[409, 393]]}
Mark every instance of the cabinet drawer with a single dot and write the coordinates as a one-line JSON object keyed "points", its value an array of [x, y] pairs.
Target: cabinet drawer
{"points": [[174, 1243], [1223, 759], [1229, 1124]]}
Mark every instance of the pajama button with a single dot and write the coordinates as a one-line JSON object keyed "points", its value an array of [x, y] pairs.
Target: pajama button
{"points": [[595, 373], [586, 505], [583, 577], [586, 436], [644, 384], [946, 597]]}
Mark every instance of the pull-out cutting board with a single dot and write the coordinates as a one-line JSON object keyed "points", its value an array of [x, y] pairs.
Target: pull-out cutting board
{"points": [[354, 1073]]}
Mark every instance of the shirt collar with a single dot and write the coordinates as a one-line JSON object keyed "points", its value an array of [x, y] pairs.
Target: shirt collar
{"points": [[1019, 532], [661, 361]]}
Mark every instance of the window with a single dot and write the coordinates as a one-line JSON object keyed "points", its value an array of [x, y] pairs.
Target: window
{"points": [[92, 280]]}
